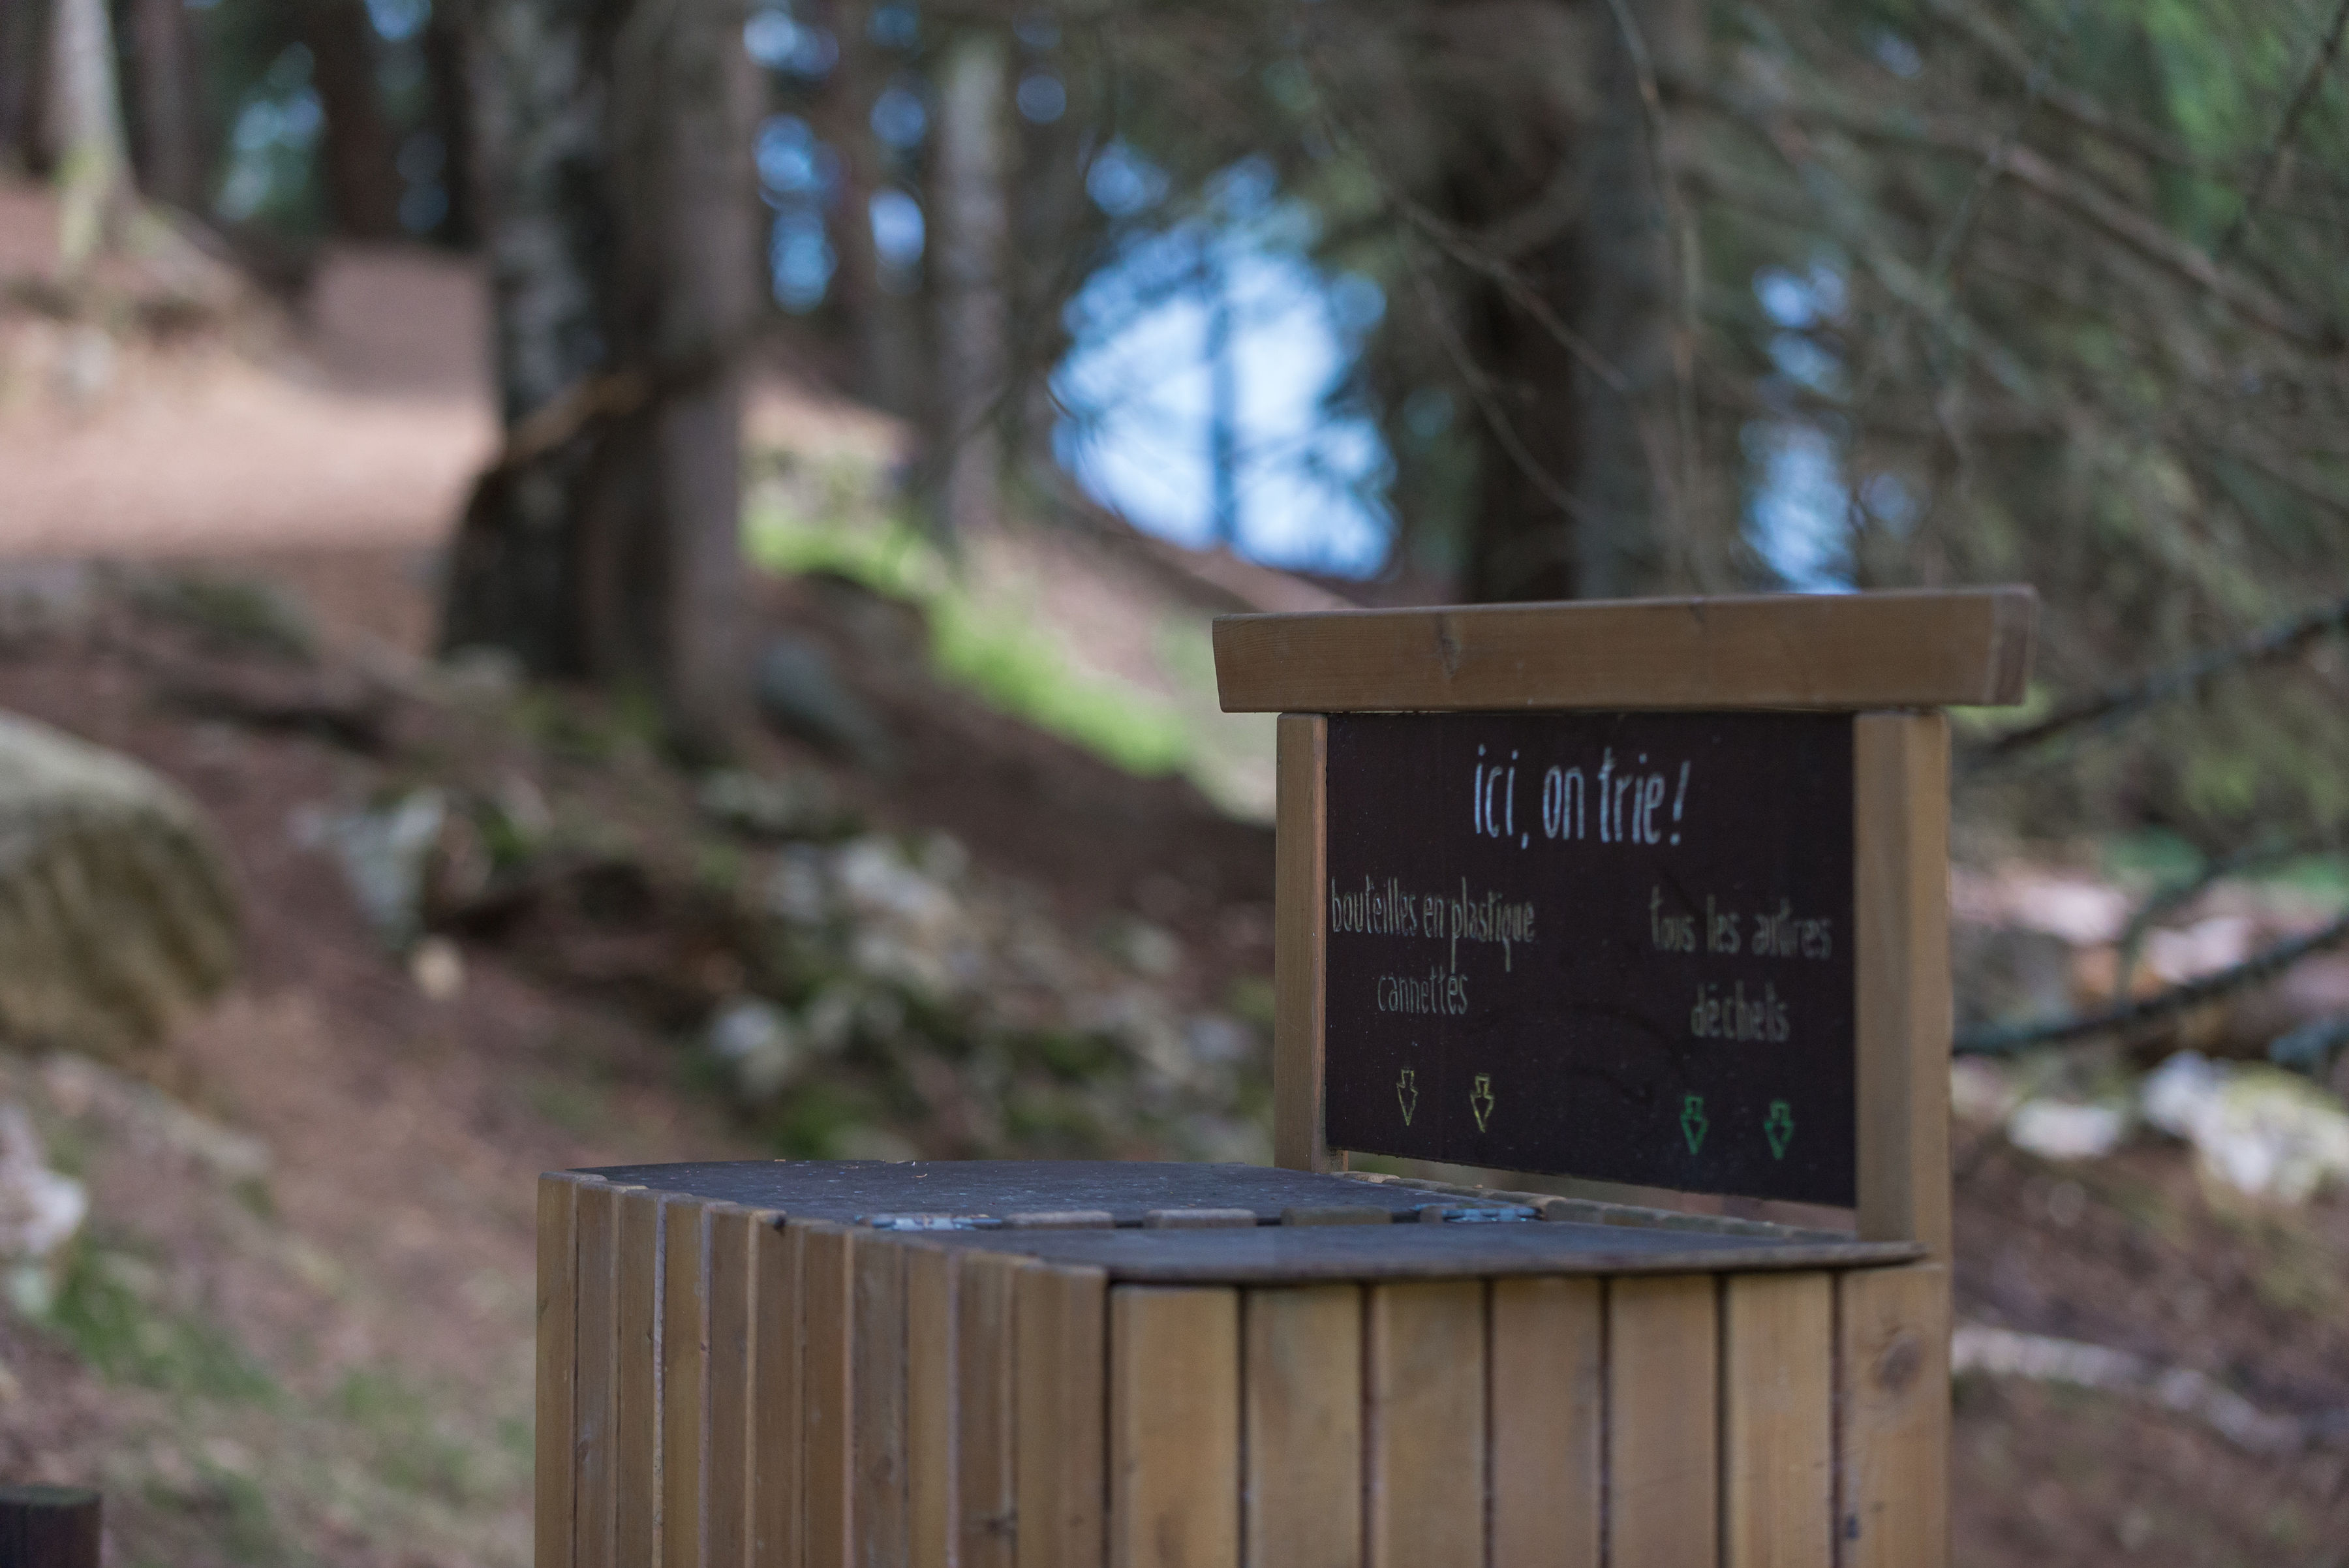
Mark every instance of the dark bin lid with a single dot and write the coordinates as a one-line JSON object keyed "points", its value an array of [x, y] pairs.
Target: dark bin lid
{"points": [[1199, 1224]]}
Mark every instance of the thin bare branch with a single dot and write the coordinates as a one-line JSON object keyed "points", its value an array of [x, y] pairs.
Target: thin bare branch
{"points": [[2285, 133], [2270, 645], [2071, 1028]]}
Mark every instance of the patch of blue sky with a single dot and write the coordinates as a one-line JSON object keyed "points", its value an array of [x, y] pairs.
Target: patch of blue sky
{"points": [[1311, 477], [1311, 474]]}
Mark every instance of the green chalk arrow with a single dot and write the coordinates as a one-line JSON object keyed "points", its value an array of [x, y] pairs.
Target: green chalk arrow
{"points": [[1780, 1126], [1693, 1122]]}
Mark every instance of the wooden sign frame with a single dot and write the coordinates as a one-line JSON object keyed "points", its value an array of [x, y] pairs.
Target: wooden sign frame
{"points": [[1891, 660]]}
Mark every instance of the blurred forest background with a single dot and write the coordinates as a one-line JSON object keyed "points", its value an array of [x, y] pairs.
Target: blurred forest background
{"points": [[654, 556]]}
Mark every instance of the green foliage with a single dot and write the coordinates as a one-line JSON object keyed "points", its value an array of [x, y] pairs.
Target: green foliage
{"points": [[1000, 656], [234, 614], [104, 1309], [412, 1451]]}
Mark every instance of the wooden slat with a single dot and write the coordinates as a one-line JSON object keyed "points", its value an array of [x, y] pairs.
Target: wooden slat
{"points": [[826, 1395], [1777, 1415], [1302, 1383], [777, 1505], [1300, 856], [1060, 1317], [1174, 1428], [636, 1456], [931, 1280], [558, 1341], [1663, 1476], [685, 1380], [986, 1353], [1892, 1373], [597, 1394], [1822, 651], [733, 1284], [1423, 1401], [877, 1529], [1549, 1366], [1902, 776]]}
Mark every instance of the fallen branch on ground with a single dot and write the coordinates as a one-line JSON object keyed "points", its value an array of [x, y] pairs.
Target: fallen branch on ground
{"points": [[2007, 1039], [2003, 1353]]}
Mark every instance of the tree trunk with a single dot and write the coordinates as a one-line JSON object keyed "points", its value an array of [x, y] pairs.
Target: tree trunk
{"points": [[1524, 540], [1582, 475], [1056, 232], [884, 328], [973, 223], [1527, 404], [84, 107], [616, 159], [446, 62], [167, 143], [24, 72], [361, 168], [1634, 515]]}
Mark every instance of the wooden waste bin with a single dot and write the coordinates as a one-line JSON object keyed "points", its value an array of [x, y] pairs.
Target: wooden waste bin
{"points": [[793, 1363], [1652, 894]]}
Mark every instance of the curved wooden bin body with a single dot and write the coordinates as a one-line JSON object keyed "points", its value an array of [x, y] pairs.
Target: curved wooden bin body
{"points": [[746, 1365]]}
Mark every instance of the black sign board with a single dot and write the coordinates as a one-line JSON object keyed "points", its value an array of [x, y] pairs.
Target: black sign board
{"points": [[1614, 946]]}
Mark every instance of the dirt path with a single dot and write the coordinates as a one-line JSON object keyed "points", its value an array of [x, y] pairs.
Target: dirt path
{"points": [[358, 426]]}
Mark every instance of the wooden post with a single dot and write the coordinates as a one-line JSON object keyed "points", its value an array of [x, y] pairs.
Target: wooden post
{"points": [[637, 1447], [1174, 1428], [1663, 1432], [685, 1381], [1548, 1390], [1424, 1404], [778, 1484], [1900, 765], [1060, 1417], [827, 1401], [595, 1397], [48, 1527], [1302, 1388], [1777, 1418], [558, 1337], [733, 1372], [1299, 941]]}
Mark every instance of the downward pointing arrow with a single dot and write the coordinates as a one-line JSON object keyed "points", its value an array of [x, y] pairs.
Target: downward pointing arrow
{"points": [[1692, 1123]]}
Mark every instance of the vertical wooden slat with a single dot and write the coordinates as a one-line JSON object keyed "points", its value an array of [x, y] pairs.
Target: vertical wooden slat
{"points": [[1174, 1428], [1060, 1317], [1301, 858], [1900, 764], [877, 1397], [777, 1505], [733, 1238], [1892, 1376], [1777, 1415], [931, 1353], [986, 1353], [636, 1471], [558, 1340], [1663, 1440], [685, 1380], [826, 1392], [1424, 1399], [597, 1396], [1302, 1381], [1549, 1368]]}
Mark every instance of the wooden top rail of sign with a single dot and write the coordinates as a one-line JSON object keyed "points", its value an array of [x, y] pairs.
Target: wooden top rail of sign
{"points": [[1830, 651], [1650, 892]]}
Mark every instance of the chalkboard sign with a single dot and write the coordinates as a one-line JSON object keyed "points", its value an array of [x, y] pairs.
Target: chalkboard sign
{"points": [[1613, 945]]}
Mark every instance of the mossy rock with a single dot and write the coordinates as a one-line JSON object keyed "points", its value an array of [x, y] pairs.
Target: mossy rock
{"points": [[117, 916]]}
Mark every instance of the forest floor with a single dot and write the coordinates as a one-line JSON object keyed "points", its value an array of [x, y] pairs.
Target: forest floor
{"points": [[297, 1327]]}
